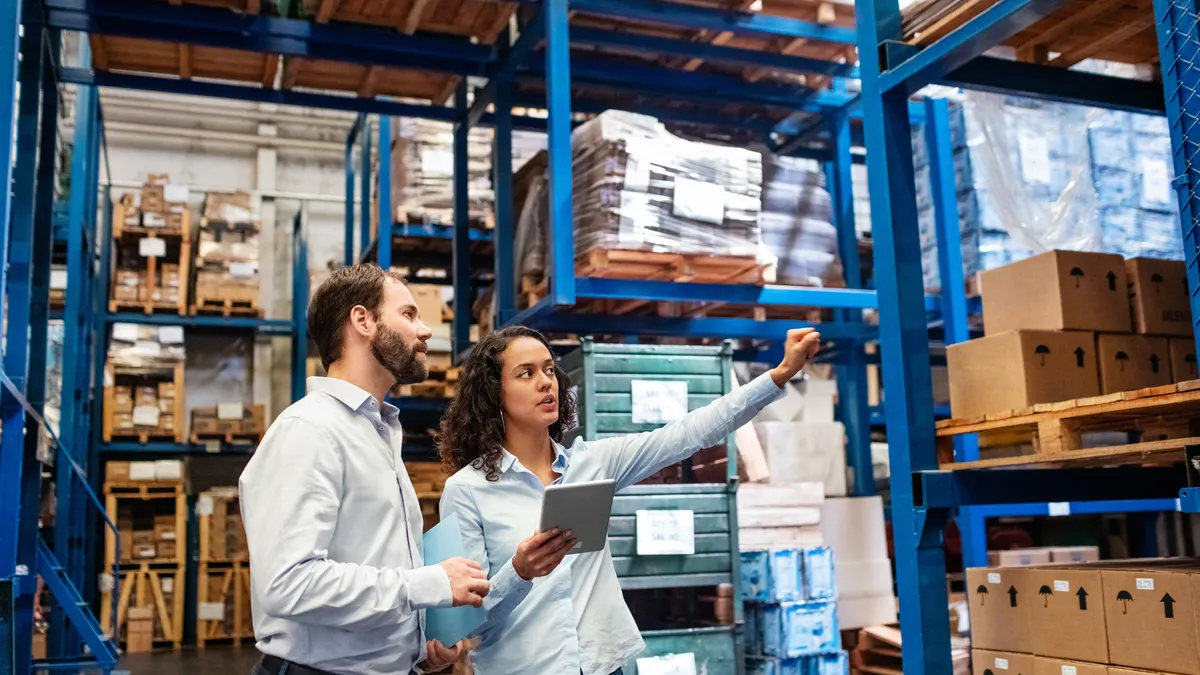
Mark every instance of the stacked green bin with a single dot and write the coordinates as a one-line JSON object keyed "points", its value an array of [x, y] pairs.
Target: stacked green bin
{"points": [[602, 375]]}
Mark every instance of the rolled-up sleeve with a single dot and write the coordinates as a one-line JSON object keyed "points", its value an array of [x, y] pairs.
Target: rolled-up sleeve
{"points": [[290, 497], [634, 457], [508, 588]]}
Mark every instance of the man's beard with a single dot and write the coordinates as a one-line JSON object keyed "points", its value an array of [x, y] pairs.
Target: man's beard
{"points": [[398, 358]]}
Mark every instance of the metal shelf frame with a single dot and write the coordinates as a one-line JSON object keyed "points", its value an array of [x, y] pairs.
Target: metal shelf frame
{"points": [[923, 497]]}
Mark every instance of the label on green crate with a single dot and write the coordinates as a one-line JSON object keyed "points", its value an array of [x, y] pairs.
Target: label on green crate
{"points": [[659, 401]]}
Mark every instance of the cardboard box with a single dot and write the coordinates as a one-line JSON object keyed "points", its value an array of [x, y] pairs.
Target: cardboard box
{"points": [[122, 399], [139, 630], [1019, 557], [1150, 615], [429, 302], [145, 551], [1000, 602], [164, 532], [1129, 362], [123, 421], [1057, 290], [166, 550], [1158, 297], [1074, 554], [1183, 359], [985, 662], [1020, 368], [116, 472], [1067, 614], [1048, 666]]}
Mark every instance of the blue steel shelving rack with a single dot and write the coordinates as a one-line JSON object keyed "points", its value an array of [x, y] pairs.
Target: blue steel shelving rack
{"points": [[923, 497]]}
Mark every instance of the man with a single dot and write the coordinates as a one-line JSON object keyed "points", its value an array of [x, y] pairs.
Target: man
{"points": [[333, 523]]}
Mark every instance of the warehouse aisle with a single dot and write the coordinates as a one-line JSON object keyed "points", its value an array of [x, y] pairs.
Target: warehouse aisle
{"points": [[227, 660]]}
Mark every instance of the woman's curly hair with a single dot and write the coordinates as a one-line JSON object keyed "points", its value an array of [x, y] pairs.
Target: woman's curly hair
{"points": [[472, 430]]}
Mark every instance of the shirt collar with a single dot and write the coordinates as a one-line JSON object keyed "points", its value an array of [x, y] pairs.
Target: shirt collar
{"points": [[559, 465], [351, 395]]}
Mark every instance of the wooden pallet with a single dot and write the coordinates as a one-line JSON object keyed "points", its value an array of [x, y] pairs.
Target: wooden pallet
{"points": [[147, 307], [367, 81], [144, 489], [629, 264], [222, 585], [108, 433], [1113, 30], [228, 437], [1167, 418], [146, 584], [111, 52], [146, 436], [225, 307]]}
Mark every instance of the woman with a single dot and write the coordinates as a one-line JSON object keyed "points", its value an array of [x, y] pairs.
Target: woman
{"points": [[501, 438]]}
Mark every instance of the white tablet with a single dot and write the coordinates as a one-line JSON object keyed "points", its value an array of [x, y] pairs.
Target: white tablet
{"points": [[583, 508]]}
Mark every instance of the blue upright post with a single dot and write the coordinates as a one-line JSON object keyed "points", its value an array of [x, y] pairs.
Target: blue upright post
{"points": [[349, 215], [383, 240], [904, 342], [364, 187], [300, 302], [560, 263], [852, 370], [502, 180], [460, 329]]}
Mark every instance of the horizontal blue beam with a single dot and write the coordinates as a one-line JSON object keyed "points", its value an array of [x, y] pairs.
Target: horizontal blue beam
{"points": [[434, 231], [979, 34], [738, 294], [708, 52], [974, 487], [170, 85], [589, 324], [191, 24], [1049, 83], [1077, 508], [717, 20], [580, 104], [933, 303], [531, 35], [166, 448], [265, 326], [878, 419]]}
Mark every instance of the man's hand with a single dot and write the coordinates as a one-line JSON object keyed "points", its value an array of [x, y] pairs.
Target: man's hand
{"points": [[538, 555], [801, 345], [467, 581], [438, 657]]}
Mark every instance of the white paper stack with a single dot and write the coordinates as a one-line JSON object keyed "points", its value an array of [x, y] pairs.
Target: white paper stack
{"points": [[779, 516], [854, 529]]}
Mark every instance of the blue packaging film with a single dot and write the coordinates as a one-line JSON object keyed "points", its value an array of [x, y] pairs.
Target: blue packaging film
{"points": [[836, 663], [752, 628], [756, 575], [796, 629], [820, 582], [772, 576]]}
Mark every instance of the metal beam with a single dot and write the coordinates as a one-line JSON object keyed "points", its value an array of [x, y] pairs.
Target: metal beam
{"points": [[697, 117], [737, 294], [460, 329], [683, 327], [946, 489], [715, 20], [510, 59], [560, 240]]}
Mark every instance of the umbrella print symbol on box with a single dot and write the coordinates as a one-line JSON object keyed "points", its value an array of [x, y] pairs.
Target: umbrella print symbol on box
{"points": [[982, 591], [1124, 597], [1045, 592]]}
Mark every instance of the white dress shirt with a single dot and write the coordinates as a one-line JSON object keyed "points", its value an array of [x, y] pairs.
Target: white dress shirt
{"points": [[574, 619], [334, 528]]}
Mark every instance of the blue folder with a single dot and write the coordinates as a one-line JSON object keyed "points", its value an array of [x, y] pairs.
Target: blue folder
{"points": [[448, 625]]}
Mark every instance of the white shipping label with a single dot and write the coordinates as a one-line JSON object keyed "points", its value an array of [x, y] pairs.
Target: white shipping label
{"points": [[170, 335], [153, 220], [152, 246], [176, 193], [1059, 508], [106, 582], [212, 446], [204, 506], [141, 470], [147, 348], [230, 411], [1156, 181], [662, 532], [699, 201], [210, 611], [671, 664], [1001, 664], [145, 416], [126, 332], [993, 577], [58, 279], [637, 174], [168, 585], [242, 270], [1068, 670], [1035, 158], [1062, 586], [659, 401], [1145, 584], [437, 163]]}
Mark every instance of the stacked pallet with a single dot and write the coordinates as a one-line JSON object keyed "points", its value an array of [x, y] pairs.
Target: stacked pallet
{"points": [[428, 480], [151, 245], [147, 502], [229, 422], [227, 257], [143, 383], [223, 578]]}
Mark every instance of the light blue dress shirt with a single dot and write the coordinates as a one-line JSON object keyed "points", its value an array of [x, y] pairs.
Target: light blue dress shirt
{"points": [[334, 527], [574, 619]]}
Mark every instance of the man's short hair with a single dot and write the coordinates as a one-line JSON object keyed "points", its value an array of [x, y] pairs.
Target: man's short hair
{"points": [[330, 307]]}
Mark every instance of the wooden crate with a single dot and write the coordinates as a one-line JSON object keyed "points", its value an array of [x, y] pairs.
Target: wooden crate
{"points": [[148, 585], [207, 425], [1167, 418], [1112, 30], [111, 52], [223, 604], [222, 535], [166, 374], [178, 247]]}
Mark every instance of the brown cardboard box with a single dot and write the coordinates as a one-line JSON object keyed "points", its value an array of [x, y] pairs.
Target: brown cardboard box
{"points": [[166, 423], [217, 509], [139, 630], [1020, 368], [1074, 554], [1183, 359], [145, 551], [147, 395], [1158, 297], [1067, 614], [142, 537], [429, 302], [1019, 557], [116, 472], [166, 550], [164, 532], [123, 421], [122, 398], [988, 662], [1129, 362], [999, 602], [1057, 290], [1151, 619], [1048, 666], [1118, 670]]}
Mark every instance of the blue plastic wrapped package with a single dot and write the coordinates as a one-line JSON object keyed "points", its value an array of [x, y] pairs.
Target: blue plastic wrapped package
{"points": [[787, 576], [1110, 147], [820, 582], [756, 576], [752, 628], [775, 666], [794, 629], [1115, 186], [831, 664]]}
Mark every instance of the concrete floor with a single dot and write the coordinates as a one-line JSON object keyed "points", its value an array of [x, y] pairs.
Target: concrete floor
{"points": [[223, 660]]}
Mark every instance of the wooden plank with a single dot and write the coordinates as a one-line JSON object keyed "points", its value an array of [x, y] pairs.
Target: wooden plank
{"points": [[327, 9], [1058, 436], [1078, 20], [185, 61], [270, 68], [366, 89], [1094, 47], [953, 19], [99, 51], [1118, 454]]}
